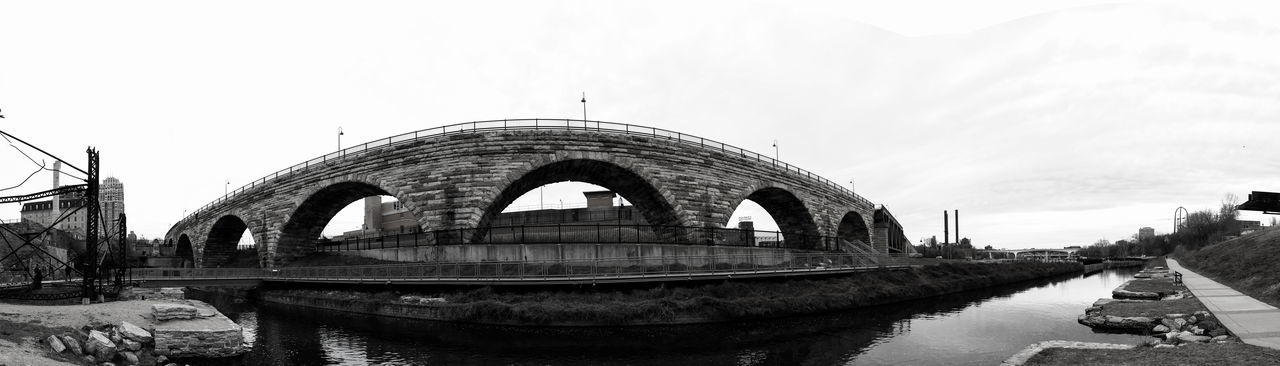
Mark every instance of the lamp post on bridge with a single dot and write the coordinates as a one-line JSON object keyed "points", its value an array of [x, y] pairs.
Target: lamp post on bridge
{"points": [[775, 149], [339, 138]]}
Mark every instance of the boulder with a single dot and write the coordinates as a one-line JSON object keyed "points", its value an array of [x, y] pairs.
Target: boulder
{"points": [[55, 344], [1167, 322], [1221, 338], [72, 344], [1196, 330], [1160, 329], [1181, 322], [160, 360], [103, 349], [89, 360], [1163, 346], [1192, 319], [134, 332], [128, 358]]}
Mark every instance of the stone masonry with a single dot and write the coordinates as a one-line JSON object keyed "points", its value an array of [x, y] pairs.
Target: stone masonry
{"points": [[462, 180]]}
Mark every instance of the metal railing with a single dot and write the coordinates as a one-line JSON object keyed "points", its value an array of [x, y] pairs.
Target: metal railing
{"points": [[588, 234], [588, 269], [531, 124]]}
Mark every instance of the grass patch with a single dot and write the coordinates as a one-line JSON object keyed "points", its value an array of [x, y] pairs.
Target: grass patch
{"points": [[715, 302], [1164, 286], [1193, 354], [1249, 264], [1152, 309]]}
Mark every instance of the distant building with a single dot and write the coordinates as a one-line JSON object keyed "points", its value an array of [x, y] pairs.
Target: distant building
{"points": [[45, 213], [1146, 232], [111, 199]]}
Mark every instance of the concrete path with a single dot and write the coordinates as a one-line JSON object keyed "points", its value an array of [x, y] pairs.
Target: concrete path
{"points": [[1253, 321]]}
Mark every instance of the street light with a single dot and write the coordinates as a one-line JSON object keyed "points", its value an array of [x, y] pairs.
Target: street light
{"points": [[339, 138], [225, 187], [775, 149]]}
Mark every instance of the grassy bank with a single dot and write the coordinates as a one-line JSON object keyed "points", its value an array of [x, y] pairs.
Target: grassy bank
{"points": [[727, 301], [1192, 354], [1249, 264]]}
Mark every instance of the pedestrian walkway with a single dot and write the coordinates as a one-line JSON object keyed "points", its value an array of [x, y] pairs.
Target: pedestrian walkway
{"points": [[1253, 321]]}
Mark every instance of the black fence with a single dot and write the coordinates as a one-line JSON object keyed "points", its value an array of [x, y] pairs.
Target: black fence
{"points": [[588, 234]]}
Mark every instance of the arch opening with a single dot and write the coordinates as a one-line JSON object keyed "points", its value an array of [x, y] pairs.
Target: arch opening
{"points": [[185, 251], [604, 218], [853, 231], [223, 248], [794, 225], [309, 225]]}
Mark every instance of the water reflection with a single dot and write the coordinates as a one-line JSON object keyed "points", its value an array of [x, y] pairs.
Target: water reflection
{"points": [[976, 327]]}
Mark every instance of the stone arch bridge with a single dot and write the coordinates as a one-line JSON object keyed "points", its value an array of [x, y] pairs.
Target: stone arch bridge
{"points": [[462, 176]]}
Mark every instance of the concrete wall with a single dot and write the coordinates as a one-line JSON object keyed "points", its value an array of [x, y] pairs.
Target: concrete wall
{"points": [[612, 253], [464, 180]]}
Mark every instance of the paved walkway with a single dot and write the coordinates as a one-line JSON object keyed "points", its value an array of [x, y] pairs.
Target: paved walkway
{"points": [[1253, 321]]}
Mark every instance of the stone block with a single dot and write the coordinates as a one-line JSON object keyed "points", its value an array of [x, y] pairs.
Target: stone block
{"points": [[166, 312]]}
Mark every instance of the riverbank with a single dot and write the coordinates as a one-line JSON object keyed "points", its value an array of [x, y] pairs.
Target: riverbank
{"points": [[663, 305], [1178, 320]]}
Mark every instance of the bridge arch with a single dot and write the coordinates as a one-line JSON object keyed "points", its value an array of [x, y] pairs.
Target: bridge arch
{"points": [[795, 221], [649, 199], [220, 244], [853, 228], [307, 221], [185, 251]]}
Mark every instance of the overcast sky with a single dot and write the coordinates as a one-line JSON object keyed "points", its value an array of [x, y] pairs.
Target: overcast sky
{"points": [[1046, 123]]}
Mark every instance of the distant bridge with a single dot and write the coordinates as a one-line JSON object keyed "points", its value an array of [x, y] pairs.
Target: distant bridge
{"points": [[1032, 253], [456, 179]]}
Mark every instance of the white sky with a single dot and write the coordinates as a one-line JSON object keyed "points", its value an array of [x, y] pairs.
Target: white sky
{"points": [[1044, 122]]}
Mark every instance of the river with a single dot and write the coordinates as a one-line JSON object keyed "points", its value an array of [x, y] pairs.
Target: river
{"points": [[980, 327]]}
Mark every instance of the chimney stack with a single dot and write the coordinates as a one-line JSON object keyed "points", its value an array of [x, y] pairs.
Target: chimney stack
{"points": [[946, 228]]}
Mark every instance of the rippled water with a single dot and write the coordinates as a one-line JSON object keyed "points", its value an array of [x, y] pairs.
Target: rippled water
{"points": [[974, 328]]}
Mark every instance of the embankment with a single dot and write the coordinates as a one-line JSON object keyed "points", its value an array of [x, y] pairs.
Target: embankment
{"points": [[663, 305], [1249, 264]]}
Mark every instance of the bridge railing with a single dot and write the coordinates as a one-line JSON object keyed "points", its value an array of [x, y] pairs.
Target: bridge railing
{"points": [[532, 124], [588, 234], [638, 267]]}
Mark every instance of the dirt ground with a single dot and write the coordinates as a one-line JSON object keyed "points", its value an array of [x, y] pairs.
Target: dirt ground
{"points": [[24, 348]]}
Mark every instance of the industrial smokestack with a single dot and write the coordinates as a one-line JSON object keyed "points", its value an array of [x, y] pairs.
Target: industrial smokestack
{"points": [[946, 228], [957, 226]]}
